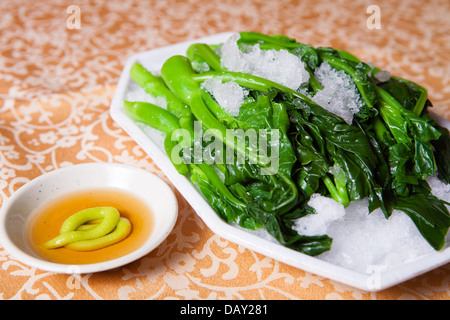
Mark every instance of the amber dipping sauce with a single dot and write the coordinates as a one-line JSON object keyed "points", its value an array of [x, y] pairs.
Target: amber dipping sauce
{"points": [[47, 220]]}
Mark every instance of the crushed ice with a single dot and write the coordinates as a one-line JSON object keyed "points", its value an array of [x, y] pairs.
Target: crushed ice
{"points": [[279, 66], [339, 94]]}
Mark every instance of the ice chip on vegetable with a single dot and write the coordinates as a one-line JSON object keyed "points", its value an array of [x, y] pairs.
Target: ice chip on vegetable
{"points": [[279, 66], [229, 95], [339, 94]]}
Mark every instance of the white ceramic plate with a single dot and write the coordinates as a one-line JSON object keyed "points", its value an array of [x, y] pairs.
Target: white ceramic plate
{"points": [[151, 142], [17, 210]]}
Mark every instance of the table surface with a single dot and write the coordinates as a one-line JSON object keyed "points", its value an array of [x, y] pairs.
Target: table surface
{"points": [[56, 86]]}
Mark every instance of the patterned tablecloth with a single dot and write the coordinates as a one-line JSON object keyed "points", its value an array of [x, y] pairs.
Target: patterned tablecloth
{"points": [[59, 66]]}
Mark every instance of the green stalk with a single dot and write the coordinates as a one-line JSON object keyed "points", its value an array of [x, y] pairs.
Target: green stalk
{"points": [[420, 103], [278, 42], [250, 81], [390, 100], [215, 180], [383, 134], [159, 119], [348, 56], [337, 190], [293, 195], [205, 53], [152, 115], [156, 87]]}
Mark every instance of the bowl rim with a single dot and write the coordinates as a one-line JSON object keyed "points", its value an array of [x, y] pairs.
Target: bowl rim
{"points": [[150, 244]]}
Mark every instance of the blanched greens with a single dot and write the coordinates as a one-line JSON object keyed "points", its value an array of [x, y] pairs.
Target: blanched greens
{"points": [[386, 153]]}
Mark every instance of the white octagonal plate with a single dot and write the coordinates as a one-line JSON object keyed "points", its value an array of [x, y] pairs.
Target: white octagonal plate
{"points": [[151, 141]]}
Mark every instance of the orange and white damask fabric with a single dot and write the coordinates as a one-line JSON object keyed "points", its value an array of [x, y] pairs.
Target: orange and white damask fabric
{"points": [[59, 66]]}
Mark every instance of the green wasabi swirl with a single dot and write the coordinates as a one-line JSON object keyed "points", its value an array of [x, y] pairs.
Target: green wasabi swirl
{"points": [[91, 229]]}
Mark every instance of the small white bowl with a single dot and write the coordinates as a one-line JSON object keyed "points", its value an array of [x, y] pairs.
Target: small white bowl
{"points": [[16, 211]]}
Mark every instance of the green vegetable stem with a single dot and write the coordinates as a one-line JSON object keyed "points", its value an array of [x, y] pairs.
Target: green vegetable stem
{"points": [[156, 87], [164, 121]]}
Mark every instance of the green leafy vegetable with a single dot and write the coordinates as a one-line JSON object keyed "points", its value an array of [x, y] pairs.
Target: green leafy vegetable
{"points": [[385, 155]]}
